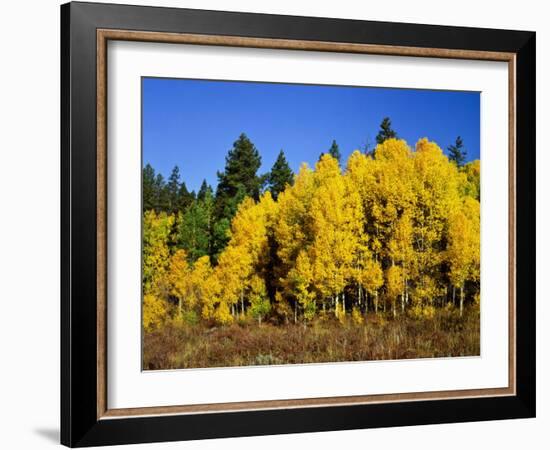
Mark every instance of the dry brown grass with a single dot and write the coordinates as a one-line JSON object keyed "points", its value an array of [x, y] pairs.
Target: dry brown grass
{"points": [[381, 337]]}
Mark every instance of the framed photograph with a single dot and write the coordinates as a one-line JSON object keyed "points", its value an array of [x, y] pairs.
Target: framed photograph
{"points": [[276, 224]]}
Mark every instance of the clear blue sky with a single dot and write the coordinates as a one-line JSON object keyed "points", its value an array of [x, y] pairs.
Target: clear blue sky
{"points": [[193, 123]]}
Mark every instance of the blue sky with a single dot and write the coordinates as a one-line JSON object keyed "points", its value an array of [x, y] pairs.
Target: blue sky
{"points": [[193, 123]]}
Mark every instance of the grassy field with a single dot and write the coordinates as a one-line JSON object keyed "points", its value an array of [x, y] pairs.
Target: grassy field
{"points": [[179, 345]]}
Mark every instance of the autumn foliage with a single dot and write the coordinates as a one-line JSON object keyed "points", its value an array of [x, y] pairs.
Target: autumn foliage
{"points": [[397, 232]]}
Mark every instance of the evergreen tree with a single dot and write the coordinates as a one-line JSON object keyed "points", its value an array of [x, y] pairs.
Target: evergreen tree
{"points": [[386, 131], [241, 164], [195, 228], [219, 237], [220, 233], [148, 186], [457, 154], [172, 189], [185, 198], [204, 190], [280, 176], [334, 151], [237, 181], [162, 197]]}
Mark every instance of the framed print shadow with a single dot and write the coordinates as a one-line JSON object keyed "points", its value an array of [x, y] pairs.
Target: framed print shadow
{"points": [[277, 224]]}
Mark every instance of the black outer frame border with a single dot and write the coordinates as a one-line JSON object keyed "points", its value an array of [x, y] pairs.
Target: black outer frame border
{"points": [[79, 424]]}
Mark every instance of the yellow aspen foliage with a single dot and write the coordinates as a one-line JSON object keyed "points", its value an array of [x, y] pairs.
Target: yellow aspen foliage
{"points": [[234, 267], [222, 315], [401, 252], [259, 303], [426, 290], [154, 312], [356, 316], [282, 306], [204, 286], [437, 192], [244, 256], [179, 277], [393, 190], [367, 270], [194, 287], [360, 171], [301, 277], [212, 307], [400, 226], [292, 229], [472, 173], [463, 250], [248, 227], [422, 312], [336, 225], [394, 284], [371, 276], [156, 253], [437, 196], [340, 313]]}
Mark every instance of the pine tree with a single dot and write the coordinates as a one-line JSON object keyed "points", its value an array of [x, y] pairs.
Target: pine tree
{"points": [[386, 131], [280, 176], [221, 229], [148, 188], [238, 181], [241, 165], [172, 189], [162, 201], [204, 190], [334, 151], [194, 229], [185, 198], [457, 154]]}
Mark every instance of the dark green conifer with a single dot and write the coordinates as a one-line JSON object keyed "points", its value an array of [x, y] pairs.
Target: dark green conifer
{"points": [[280, 176], [386, 131], [457, 153]]}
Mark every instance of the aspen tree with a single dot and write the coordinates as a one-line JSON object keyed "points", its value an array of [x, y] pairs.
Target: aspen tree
{"points": [[301, 278], [336, 225], [368, 273], [259, 303], [463, 249], [179, 277], [154, 311], [156, 253], [437, 195], [292, 229], [401, 252]]}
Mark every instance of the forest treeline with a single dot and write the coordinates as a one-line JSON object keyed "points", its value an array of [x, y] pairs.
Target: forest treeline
{"points": [[394, 229]]}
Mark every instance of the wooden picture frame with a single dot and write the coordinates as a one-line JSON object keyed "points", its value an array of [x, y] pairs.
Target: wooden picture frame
{"points": [[86, 418]]}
